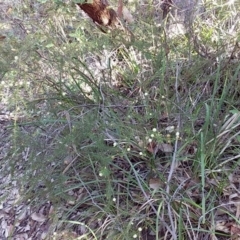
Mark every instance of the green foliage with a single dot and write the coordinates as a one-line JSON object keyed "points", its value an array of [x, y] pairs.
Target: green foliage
{"points": [[97, 117]]}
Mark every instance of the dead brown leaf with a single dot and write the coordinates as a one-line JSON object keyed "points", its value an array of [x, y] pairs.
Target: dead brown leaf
{"points": [[165, 147], [38, 217], [2, 37], [154, 183]]}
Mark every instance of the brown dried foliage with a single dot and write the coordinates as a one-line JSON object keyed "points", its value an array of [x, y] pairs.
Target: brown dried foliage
{"points": [[100, 12]]}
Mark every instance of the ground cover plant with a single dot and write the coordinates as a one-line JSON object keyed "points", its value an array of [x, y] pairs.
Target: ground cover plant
{"points": [[118, 137]]}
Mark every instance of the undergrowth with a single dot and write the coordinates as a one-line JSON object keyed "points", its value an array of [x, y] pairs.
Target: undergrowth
{"points": [[125, 139]]}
